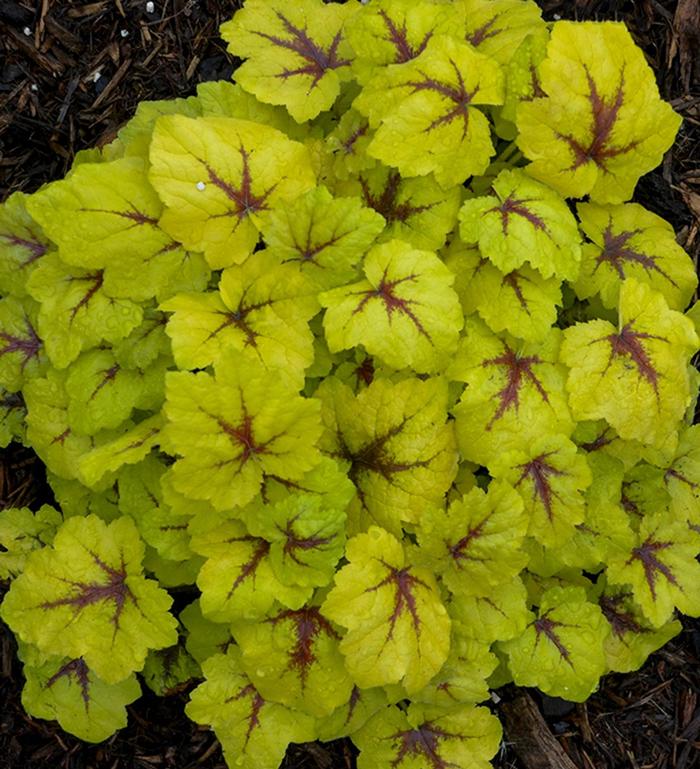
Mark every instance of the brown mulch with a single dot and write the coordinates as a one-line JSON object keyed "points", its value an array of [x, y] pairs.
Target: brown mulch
{"points": [[69, 78]]}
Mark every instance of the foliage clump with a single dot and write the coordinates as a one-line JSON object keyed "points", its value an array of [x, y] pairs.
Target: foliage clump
{"points": [[332, 351]]}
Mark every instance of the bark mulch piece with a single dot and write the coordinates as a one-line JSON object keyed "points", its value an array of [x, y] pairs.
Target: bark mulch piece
{"points": [[71, 73]]}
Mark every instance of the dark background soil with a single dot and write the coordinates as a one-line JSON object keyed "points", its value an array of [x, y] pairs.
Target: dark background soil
{"points": [[71, 73]]}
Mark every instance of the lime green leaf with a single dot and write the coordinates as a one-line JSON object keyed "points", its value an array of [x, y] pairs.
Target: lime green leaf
{"points": [[75, 499], [322, 236], [79, 315], [682, 477], [21, 351], [550, 475], [253, 731], [86, 597], [636, 376], [237, 580], [21, 532], [475, 545], [296, 54], [515, 393], [293, 657], [168, 671], [602, 124], [234, 427], [522, 75], [428, 738], [630, 242], [661, 569], [425, 112], [418, 211], [523, 221], [13, 413], [218, 177], [22, 245], [496, 617], [561, 652], [398, 629], [523, 303], [137, 133], [405, 312], [204, 638], [68, 691], [399, 448]]}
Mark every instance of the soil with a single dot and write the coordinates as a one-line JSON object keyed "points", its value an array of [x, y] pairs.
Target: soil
{"points": [[71, 73]]}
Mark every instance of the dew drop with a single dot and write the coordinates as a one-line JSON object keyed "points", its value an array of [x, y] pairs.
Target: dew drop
{"points": [[201, 186]]}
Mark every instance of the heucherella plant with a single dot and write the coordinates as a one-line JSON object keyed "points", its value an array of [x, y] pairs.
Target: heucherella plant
{"points": [[369, 355]]}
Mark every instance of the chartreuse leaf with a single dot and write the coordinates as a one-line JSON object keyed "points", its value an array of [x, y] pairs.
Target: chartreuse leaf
{"points": [[425, 737], [323, 237], [496, 617], [522, 302], [397, 446], [80, 315], [104, 216], [237, 580], [550, 476], [168, 671], [254, 732], [76, 499], [630, 242], [296, 55], [68, 691], [561, 651], [418, 211], [86, 597], [523, 221], [21, 532], [398, 628], [293, 657], [396, 31], [601, 124], [682, 477], [522, 76], [13, 413], [347, 146], [497, 27], [632, 639], [22, 245], [128, 449], [476, 544], [515, 393], [204, 638], [660, 568], [634, 376], [405, 311], [231, 428], [425, 112], [307, 539], [218, 177], [137, 133], [22, 355], [261, 310]]}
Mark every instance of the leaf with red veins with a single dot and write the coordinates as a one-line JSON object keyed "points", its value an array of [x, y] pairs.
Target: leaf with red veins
{"points": [[253, 729], [22, 245], [386, 203], [21, 349], [595, 144], [398, 37], [636, 376], [78, 670], [86, 596], [661, 569], [621, 620], [630, 242], [561, 651], [429, 737], [405, 312], [513, 206], [387, 605], [245, 201], [297, 54], [550, 475]]}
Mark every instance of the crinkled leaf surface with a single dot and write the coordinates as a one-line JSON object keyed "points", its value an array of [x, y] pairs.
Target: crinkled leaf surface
{"points": [[497, 617], [634, 376], [21, 532], [601, 124], [22, 356], [682, 477], [523, 221], [405, 311], [399, 448], [253, 731], [86, 596], [168, 671], [231, 429], [22, 244], [426, 112], [630, 242], [398, 628], [561, 651], [218, 177], [296, 54]]}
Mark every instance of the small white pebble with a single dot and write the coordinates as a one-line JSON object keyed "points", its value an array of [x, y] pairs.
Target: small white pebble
{"points": [[556, 17], [201, 186], [124, 32], [34, 87], [150, 7], [27, 31], [96, 76]]}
